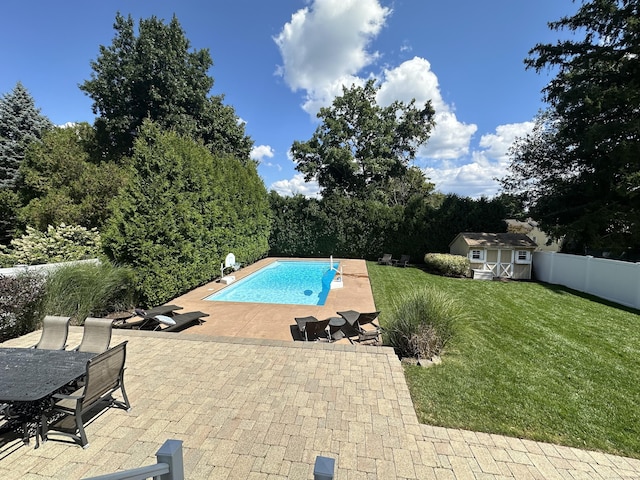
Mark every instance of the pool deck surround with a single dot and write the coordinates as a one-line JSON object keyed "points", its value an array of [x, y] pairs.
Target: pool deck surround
{"points": [[273, 321]]}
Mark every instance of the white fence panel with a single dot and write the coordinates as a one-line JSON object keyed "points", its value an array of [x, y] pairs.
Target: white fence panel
{"points": [[44, 268], [609, 279]]}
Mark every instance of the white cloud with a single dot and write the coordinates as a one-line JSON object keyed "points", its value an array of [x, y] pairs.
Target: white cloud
{"points": [[296, 185], [477, 177], [259, 152], [449, 139], [414, 79], [325, 46], [328, 40], [498, 144]]}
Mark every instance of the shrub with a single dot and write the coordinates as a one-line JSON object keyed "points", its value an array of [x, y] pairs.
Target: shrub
{"points": [[58, 244], [183, 212], [20, 304], [447, 264], [79, 291], [422, 323]]}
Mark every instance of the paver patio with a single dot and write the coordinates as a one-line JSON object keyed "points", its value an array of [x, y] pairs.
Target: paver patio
{"points": [[263, 407]]}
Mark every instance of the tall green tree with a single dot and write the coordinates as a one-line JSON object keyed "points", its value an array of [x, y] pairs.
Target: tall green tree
{"points": [[155, 75], [61, 181], [360, 144], [21, 124], [579, 169]]}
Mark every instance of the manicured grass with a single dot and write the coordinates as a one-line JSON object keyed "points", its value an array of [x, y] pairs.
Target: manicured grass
{"points": [[535, 361]]}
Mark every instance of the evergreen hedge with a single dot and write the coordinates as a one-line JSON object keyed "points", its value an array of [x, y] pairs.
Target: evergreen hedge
{"points": [[183, 212], [356, 228]]}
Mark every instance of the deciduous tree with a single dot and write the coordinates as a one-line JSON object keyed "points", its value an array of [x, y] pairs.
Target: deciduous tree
{"points": [[360, 144]]}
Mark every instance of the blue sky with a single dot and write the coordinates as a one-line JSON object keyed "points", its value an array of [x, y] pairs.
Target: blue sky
{"points": [[278, 62]]}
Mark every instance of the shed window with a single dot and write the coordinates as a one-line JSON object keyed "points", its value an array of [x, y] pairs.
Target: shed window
{"points": [[523, 256], [477, 255]]}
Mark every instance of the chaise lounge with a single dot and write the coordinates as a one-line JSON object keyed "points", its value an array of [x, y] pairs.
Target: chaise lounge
{"points": [[385, 259]]}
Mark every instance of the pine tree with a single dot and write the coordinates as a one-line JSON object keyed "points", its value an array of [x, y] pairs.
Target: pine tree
{"points": [[20, 124], [578, 171]]}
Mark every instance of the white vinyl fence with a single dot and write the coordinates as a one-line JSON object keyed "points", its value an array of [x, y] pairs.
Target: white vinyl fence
{"points": [[609, 279], [44, 268]]}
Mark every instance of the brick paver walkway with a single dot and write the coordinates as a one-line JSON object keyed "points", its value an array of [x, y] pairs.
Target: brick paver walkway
{"points": [[264, 409]]}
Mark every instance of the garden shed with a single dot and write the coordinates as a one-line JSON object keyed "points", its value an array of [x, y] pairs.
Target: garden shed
{"points": [[503, 255]]}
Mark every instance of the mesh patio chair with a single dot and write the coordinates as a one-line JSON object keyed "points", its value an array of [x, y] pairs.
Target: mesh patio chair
{"points": [[96, 336], [104, 376], [55, 331], [368, 319], [403, 262]]}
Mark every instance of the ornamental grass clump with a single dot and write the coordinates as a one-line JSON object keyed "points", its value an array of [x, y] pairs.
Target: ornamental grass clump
{"points": [[422, 323], [84, 290]]}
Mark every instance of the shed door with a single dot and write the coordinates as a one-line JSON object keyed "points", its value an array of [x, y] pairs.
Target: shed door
{"points": [[500, 262]]}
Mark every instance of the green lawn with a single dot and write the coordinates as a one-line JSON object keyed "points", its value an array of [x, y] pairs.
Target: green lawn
{"points": [[536, 361]]}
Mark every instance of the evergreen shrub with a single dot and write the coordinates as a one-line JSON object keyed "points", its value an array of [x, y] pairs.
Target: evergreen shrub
{"points": [[58, 244], [447, 265], [183, 211]]}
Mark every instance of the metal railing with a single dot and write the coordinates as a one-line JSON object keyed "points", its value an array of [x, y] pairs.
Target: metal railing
{"points": [[169, 467]]}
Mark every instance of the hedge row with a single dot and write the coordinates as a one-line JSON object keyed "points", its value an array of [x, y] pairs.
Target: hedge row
{"points": [[183, 212], [366, 229]]}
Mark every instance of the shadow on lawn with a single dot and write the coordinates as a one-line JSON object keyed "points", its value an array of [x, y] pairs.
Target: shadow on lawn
{"points": [[562, 290]]}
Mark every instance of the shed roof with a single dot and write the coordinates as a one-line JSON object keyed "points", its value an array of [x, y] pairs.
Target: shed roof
{"points": [[513, 240]]}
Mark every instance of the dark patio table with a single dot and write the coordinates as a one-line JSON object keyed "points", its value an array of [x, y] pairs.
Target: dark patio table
{"points": [[29, 376]]}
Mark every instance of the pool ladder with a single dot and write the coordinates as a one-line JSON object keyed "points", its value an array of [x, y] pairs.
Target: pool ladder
{"points": [[337, 281]]}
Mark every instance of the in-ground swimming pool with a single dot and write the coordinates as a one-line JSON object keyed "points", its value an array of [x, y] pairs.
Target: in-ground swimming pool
{"points": [[289, 282]]}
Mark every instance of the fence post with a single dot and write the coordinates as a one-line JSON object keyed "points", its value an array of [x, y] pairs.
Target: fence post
{"points": [[588, 274], [171, 453], [637, 300], [324, 468]]}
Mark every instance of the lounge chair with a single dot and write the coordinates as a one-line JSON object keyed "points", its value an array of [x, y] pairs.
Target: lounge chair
{"points": [[144, 323], [183, 320], [312, 329], [96, 336], [55, 331], [160, 310], [358, 319], [371, 337], [104, 376], [385, 259], [153, 320], [316, 330], [403, 262]]}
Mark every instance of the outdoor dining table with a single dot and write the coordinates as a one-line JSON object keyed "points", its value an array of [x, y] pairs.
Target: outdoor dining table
{"points": [[29, 377]]}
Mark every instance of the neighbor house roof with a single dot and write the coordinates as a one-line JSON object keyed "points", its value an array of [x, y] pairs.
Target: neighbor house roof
{"points": [[512, 240]]}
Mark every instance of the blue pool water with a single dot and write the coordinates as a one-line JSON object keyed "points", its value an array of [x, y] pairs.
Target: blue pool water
{"points": [[283, 282]]}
